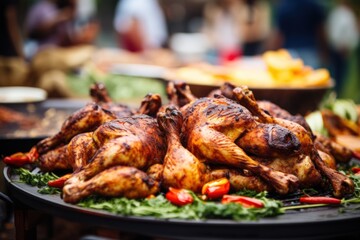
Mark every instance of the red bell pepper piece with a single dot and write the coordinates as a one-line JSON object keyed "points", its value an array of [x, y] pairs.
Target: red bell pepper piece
{"points": [[320, 200], [247, 202], [179, 197], [216, 188], [20, 159], [59, 183], [355, 169]]}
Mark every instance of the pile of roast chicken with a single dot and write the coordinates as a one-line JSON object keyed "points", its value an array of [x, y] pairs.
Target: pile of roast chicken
{"points": [[114, 150]]}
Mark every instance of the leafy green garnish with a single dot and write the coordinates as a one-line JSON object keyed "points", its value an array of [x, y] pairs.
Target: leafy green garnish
{"points": [[39, 180], [160, 207]]}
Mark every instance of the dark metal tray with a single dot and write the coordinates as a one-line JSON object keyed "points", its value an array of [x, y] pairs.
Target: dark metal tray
{"points": [[14, 139], [317, 223]]}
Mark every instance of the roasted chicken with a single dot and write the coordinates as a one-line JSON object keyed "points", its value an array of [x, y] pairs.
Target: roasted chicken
{"points": [[79, 126], [341, 184], [133, 143], [114, 150], [211, 127], [181, 168]]}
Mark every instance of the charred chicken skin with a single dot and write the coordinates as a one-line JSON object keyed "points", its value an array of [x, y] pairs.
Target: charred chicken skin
{"points": [[211, 127], [135, 143], [117, 151], [181, 168], [341, 184], [78, 127]]}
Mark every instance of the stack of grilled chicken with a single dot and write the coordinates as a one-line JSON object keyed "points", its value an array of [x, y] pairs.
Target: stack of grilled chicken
{"points": [[113, 150]]}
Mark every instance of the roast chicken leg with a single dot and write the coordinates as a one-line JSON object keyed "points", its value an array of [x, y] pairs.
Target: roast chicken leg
{"points": [[181, 168], [134, 141], [341, 184], [210, 129]]}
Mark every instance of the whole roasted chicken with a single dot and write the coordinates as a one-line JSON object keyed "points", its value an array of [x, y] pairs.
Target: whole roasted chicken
{"points": [[117, 151], [126, 148]]}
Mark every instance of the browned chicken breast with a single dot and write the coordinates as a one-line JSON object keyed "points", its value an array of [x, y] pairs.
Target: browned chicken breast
{"points": [[135, 141], [341, 184], [210, 129]]}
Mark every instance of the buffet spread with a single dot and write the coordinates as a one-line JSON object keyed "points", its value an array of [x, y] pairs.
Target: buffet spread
{"points": [[188, 151], [224, 156]]}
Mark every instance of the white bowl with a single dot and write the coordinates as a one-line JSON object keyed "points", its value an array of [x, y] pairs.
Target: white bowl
{"points": [[22, 94]]}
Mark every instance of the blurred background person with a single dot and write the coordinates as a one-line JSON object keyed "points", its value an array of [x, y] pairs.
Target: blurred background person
{"points": [[140, 25], [255, 25], [61, 41], [300, 29], [13, 68], [222, 26], [52, 23], [343, 35]]}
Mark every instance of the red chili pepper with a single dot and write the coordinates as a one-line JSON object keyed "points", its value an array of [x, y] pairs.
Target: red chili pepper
{"points": [[355, 169], [216, 188], [20, 159], [320, 200], [179, 197], [59, 183], [243, 200]]}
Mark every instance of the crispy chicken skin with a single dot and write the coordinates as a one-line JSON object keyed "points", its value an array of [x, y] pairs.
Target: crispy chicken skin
{"points": [[181, 168], [86, 119], [56, 159], [135, 142], [269, 140], [116, 181], [80, 150], [341, 184], [210, 129]]}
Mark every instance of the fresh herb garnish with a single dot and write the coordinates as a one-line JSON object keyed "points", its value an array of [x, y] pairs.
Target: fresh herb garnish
{"points": [[160, 207], [39, 180]]}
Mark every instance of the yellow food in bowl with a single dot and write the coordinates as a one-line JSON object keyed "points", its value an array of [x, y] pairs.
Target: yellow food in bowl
{"points": [[278, 69]]}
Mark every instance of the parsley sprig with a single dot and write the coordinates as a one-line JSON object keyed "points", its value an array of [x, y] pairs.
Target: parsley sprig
{"points": [[39, 180], [160, 207]]}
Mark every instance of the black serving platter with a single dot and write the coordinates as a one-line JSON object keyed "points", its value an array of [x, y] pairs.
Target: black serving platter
{"points": [[315, 223]]}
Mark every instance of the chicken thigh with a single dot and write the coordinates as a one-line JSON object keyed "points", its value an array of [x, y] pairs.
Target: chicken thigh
{"points": [[135, 142], [211, 127], [341, 184]]}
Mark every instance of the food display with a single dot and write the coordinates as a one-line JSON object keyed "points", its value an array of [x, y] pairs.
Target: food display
{"points": [[227, 155], [274, 69]]}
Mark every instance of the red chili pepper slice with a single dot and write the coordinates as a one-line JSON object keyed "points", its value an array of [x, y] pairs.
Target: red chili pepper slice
{"points": [[243, 200], [59, 183], [179, 197], [17, 159], [20, 159], [355, 169], [320, 200], [216, 188]]}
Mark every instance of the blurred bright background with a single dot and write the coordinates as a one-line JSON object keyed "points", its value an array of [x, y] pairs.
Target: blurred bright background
{"points": [[323, 34]]}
